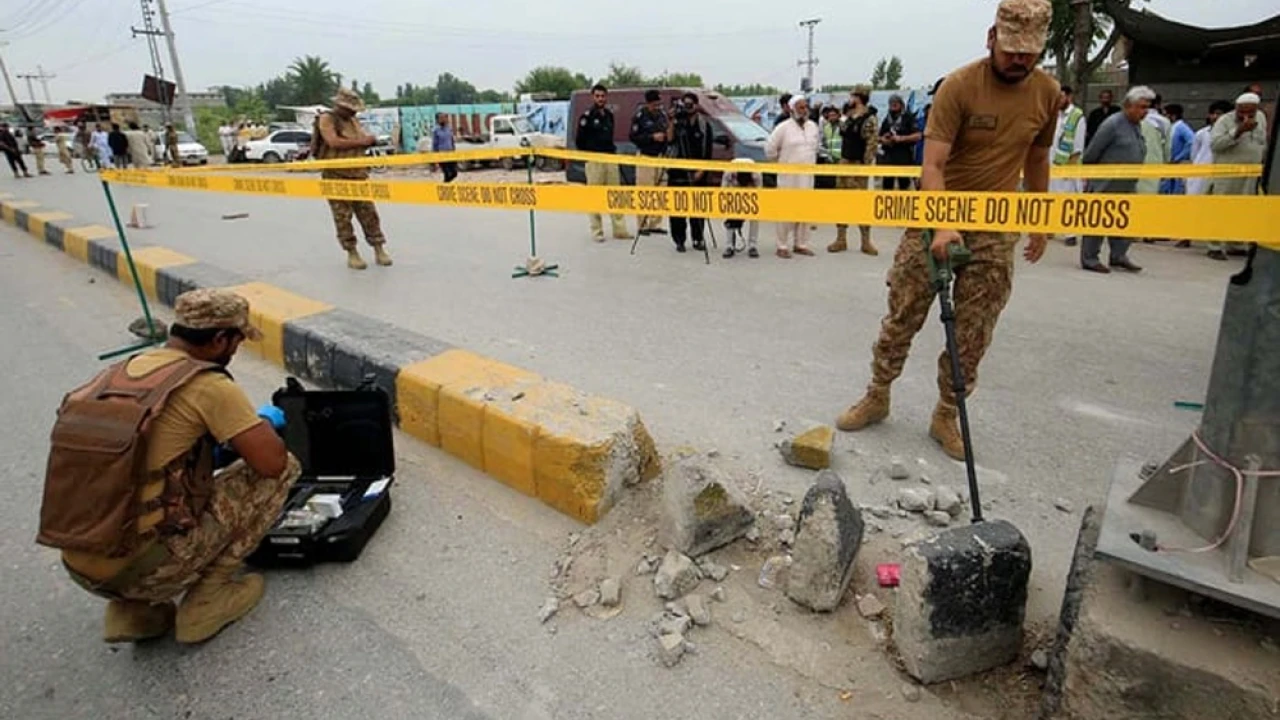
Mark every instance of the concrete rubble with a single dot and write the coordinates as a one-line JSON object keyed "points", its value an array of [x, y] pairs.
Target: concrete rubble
{"points": [[676, 576], [898, 469], [610, 592], [587, 598], [703, 509], [947, 500], [648, 565], [810, 449], [870, 607], [698, 610], [548, 610], [773, 573], [915, 500], [827, 541], [713, 570], [671, 648], [937, 518]]}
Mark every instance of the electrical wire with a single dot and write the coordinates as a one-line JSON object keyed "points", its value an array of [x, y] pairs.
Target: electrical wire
{"points": [[1237, 474]]}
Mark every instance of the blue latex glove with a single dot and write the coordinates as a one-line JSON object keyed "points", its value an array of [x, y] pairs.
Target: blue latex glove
{"points": [[273, 415]]}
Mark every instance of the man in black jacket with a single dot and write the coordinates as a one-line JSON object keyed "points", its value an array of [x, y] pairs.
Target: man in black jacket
{"points": [[650, 131], [9, 146], [692, 141], [119, 143], [595, 134]]}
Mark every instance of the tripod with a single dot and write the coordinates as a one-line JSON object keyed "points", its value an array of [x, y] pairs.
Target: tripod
{"points": [[671, 153]]}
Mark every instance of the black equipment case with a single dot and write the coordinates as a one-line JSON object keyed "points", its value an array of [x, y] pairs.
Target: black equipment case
{"points": [[343, 440]]}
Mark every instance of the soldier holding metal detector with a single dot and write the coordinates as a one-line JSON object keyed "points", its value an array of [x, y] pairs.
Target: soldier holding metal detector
{"points": [[992, 124]]}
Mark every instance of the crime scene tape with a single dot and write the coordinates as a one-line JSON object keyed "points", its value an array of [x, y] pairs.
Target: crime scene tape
{"points": [[1179, 171], [1198, 217]]}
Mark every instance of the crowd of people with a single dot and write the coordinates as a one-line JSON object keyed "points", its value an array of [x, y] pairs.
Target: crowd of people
{"points": [[234, 137], [103, 145]]}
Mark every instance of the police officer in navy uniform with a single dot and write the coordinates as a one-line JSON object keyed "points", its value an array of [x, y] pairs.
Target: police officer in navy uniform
{"points": [[650, 132], [691, 141], [595, 134]]}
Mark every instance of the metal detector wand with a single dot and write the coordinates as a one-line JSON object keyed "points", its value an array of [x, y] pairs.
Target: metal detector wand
{"points": [[942, 276]]}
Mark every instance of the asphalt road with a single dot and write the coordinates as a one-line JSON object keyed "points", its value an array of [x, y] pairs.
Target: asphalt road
{"points": [[437, 620], [1084, 368]]}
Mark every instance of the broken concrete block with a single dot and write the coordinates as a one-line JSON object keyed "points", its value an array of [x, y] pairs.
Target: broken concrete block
{"points": [[810, 449], [670, 649], [698, 610], [676, 576], [962, 600], [898, 469], [870, 607], [915, 499], [587, 598], [704, 509], [713, 570], [947, 500], [937, 518], [610, 592], [672, 624], [830, 532]]}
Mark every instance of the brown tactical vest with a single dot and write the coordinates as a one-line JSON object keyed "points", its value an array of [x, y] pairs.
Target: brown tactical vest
{"points": [[96, 473], [345, 128]]}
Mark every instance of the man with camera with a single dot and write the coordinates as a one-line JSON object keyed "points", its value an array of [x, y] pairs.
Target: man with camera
{"points": [[650, 132], [691, 140]]}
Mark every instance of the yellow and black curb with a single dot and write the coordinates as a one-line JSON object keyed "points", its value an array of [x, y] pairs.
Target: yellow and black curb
{"points": [[573, 451]]}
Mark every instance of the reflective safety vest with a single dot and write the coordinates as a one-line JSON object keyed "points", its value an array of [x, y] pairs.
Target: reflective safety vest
{"points": [[1067, 143]]}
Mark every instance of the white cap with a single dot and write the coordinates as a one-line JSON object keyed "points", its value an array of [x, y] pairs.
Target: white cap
{"points": [[796, 100], [1249, 99]]}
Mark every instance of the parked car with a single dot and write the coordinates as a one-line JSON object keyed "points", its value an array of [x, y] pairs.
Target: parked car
{"points": [[507, 132], [279, 146], [735, 135], [190, 152]]}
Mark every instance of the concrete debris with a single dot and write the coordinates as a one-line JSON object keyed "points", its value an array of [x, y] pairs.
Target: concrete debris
{"points": [[881, 511], [738, 617], [787, 537], [947, 500], [610, 592], [787, 500], [548, 610], [898, 469], [587, 598], [713, 453], [829, 535], [783, 521], [773, 573], [870, 607], [1064, 505], [670, 649], [718, 594], [1040, 660], [671, 624], [915, 500], [698, 610], [753, 535], [873, 526], [704, 509], [910, 693], [648, 565], [810, 449], [713, 570], [937, 518], [676, 576]]}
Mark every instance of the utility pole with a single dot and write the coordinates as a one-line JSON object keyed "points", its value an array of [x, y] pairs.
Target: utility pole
{"points": [[157, 68], [44, 79], [188, 118], [8, 81], [806, 83]]}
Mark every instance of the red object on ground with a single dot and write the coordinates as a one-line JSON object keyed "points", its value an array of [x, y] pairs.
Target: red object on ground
{"points": [[889, 574]]}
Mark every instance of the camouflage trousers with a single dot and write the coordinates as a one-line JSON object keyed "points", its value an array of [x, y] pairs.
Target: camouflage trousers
{"points": [[980, 292], [366, 213], [847, 182], [243, 507]]}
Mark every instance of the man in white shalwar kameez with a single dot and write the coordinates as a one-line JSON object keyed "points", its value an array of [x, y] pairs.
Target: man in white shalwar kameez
{"points": [[794, 141]]}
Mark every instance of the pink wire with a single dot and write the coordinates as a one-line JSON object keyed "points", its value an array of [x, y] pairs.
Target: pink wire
{"points": [[1238, 474]]}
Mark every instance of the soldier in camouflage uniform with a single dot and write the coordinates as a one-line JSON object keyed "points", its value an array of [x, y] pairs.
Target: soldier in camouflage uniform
{"points": [[338, 134], [858, 147], [992, 124], [198, 526]]}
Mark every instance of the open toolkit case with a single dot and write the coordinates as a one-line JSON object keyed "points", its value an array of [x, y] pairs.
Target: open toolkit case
{"points": [[343, 440]]}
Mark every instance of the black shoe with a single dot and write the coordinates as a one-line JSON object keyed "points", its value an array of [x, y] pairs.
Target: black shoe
{"points": [[657, 231], [699, 245], [680, 247], [1097, 267], [1183, 244], [1070, 242], [753, 253], [1127, 265], [1217, 255], [1233, 252], [728, 253], [643, 233]]}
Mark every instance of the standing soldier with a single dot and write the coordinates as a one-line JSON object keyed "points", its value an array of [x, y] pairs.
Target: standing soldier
{"points": [[858, 147], [338, 134], [64, 150], [595, 134], [171, 145], [992, 124], [650, 131]]}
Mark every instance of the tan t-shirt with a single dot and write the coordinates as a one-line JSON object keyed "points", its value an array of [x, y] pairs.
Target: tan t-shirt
{"points": [[209, 404], [991, 125]]}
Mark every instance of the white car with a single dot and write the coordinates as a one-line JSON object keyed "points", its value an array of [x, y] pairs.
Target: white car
{"points": [[279, 146], [190, 152]]}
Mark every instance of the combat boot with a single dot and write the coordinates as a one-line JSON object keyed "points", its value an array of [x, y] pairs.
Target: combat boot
{"points": [[871, 409], [842, 241], [380, 256], [354, 261], [867, 247], [215, 601], [945, 429], [134, 621]]}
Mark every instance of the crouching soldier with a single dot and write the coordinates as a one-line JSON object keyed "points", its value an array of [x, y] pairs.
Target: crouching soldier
{"points": [[130, 496]]}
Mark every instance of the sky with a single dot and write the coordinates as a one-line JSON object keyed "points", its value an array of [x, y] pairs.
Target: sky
{"points": [[493, 43]]}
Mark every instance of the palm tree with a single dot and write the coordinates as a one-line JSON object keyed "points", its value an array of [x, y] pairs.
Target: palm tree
{"points": [[313, 81]]}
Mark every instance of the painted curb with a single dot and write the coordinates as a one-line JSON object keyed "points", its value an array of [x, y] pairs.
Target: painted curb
{"points": [[573, 451]]}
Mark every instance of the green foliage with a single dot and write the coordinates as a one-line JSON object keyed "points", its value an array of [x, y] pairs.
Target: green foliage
{"points": [[679, 79], [887, 74], [313, 81], [747, 90], [624, 76], [549, 79]]}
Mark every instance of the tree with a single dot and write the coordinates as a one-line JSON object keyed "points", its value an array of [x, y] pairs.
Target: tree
{"points": [[276, 92], [678, 79], [452, 90], [621, 76], [747, 90], [550, 79], [493, 96], [313, 81], [887, 74], [369, 95], [1072, 37]]}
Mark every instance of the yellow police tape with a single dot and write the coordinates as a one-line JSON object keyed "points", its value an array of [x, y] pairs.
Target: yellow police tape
{"points": [[1199, 217], [488, 155]]}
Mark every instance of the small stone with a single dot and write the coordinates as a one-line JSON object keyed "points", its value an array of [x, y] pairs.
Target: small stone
{"points": [[937, 518], [773, 573], [1040, 660], [947, 500], [698, 610], [714, 570], [690, 648], [587, 598], [574, 538], [610, 592], [1064, 505], [647, 566], [753, 535], [673, 624], [670, 649], [787, 499], [718, 594], [898, 469], [739, 617], [713, 453], [870, 607], [915, 499], [810, 449], [787, 537], [784, 521], [779, 425], [548, 610], [911, 693], [924, 480], [676, 576], [881, 511], [873, 526]]}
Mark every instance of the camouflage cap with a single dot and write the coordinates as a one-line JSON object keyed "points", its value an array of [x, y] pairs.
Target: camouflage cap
{"points": [[863, 89], [213, 309], [1022, 26], [345, 98]]}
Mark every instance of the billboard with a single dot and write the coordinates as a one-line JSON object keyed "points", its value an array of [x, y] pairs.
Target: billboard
{"points": [[551, 117], [467, 119]]}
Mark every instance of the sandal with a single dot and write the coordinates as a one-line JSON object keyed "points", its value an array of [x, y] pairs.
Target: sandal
{"points": [[784, 253]]}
